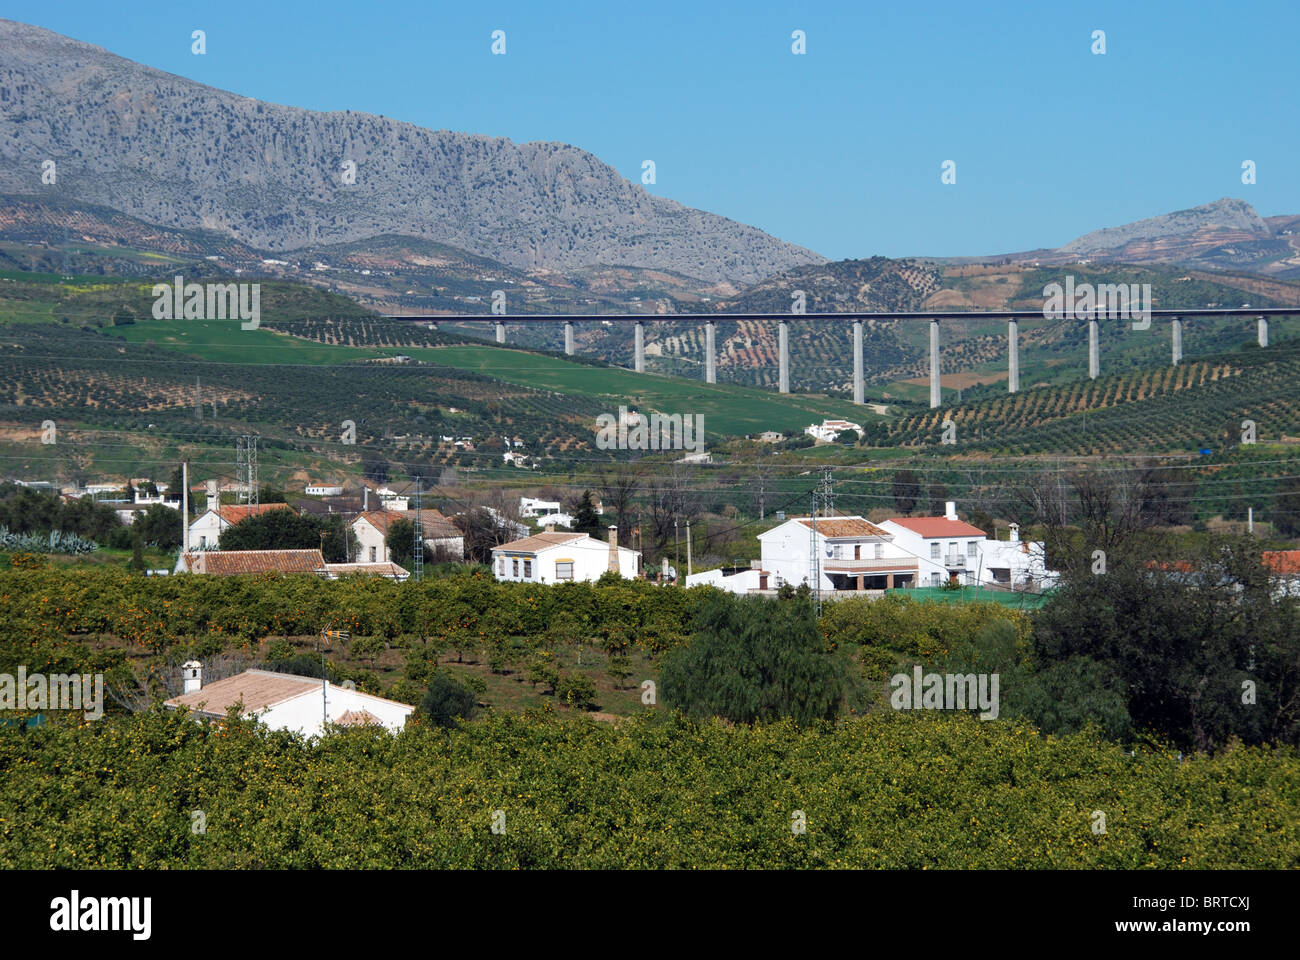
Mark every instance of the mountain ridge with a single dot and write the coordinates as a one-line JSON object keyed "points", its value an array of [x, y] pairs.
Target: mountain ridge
{"points": [[181, 154]]}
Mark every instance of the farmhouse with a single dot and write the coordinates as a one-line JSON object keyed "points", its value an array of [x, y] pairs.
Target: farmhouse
{"points": [[852, 554], [561, 557], [206, 530], [829, 429], [1013, 563], [286, 702], [944, 548]]}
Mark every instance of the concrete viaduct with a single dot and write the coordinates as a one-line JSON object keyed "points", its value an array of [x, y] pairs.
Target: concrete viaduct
{"points": [[1013, 318]]}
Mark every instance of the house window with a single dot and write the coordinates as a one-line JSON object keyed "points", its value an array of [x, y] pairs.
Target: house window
{"points": [[934, 580], [880, 550], [857, 551], [934, 551], [501, 566], [528, 569], [514, 567], [372, 554], [970, 550], [837, 554], [564, 570]]}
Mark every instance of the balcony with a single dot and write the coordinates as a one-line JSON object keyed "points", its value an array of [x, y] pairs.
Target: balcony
{"points": [[873, 565], [957, 561]]}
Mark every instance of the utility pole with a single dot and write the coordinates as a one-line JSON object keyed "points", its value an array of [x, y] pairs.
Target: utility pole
{"points": [[814, 559], [419, 537], [688, 548], [677, 554]]}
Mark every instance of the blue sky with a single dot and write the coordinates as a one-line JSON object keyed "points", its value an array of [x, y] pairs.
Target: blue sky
{"points": [[839, 149]]}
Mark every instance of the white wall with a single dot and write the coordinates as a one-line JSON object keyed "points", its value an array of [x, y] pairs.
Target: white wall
{"points": [[303, 714], [739, 583], [590, 559], [207, 528], [910, 544], [369, 537]]}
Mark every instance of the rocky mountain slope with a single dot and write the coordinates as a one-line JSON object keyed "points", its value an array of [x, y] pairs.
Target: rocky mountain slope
{"points": [[175, 153]]}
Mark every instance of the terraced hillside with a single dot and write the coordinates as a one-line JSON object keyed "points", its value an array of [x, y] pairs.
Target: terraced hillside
{"points": [[1198, 404]]}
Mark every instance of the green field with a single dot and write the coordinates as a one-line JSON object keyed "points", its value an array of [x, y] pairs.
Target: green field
{"points": [[727, 409]]}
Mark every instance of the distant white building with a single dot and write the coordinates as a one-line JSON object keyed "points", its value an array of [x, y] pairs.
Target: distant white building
{"points": [[530, 507], [551, 520], [563, 557], [284, 701], [828, 429], [327, 489]]}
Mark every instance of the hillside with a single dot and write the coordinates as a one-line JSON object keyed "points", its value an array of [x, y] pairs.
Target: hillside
{"points": [[188, 156], [1227, 234]]}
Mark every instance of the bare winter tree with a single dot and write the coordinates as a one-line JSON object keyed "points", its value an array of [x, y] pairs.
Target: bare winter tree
{"points": [[618, 485], [672, 500], [1089, 510]]}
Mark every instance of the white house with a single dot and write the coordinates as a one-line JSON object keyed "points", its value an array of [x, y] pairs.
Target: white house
{"points": [[206, 530], [442, 539], [553, 520], [1015, 562], [944, 547], [326, 489], [530, 507], [852, 554], [828, 429], [283, 701], [560, 557], [371, 529]]}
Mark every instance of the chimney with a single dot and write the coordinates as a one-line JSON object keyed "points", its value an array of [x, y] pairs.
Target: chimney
{"points": [[192, 674], [365, 499], [613, 548], [214, 496], [950, 510], [1015, 533]]}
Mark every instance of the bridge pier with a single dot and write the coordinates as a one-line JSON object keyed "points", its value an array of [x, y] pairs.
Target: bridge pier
{"points": [[568, 338], [783, 347], [1094, 350], [1176, 339], [859, 385], [710, 354], [1013, 356], [1263, 331], [639, 350], [936, 393], [501, 332]]}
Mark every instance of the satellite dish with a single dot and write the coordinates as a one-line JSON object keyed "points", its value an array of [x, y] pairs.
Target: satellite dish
{"points": [[829, 550]]}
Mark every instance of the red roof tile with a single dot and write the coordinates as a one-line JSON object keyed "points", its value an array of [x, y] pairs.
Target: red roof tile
{"points": [[934, 528]]}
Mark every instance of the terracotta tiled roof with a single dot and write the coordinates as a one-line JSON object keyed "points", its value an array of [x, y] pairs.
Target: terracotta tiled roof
{"points": [[541, 541], [227, 562], [1282, 561], [379, 519], [258, 689], [356, 718], [437, 527], [233, 514], [937, 527], [376, 569], [845, 527]]}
